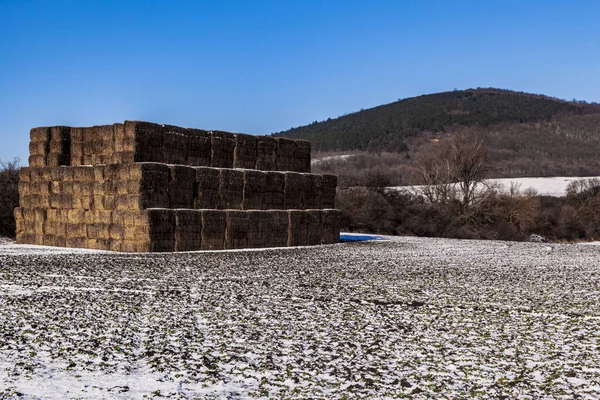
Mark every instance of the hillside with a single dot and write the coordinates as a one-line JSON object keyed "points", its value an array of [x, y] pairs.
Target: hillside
{"points": [[527, 134], [387, 127]]}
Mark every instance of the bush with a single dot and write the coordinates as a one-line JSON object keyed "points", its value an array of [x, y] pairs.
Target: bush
{"points": [[9, 187]]}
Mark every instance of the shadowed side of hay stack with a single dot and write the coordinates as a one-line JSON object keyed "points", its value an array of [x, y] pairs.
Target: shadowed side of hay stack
{"points": [[254, 190], [199, 148], [181, 189], [188, 230], [274, 191], [206, 189], [236, 233], [231, 189], [245, 151], [222, 149], [266, 153], [213, 229]]}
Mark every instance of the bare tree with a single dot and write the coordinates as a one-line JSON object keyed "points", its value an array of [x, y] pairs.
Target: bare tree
{"points": [[9, 187]]}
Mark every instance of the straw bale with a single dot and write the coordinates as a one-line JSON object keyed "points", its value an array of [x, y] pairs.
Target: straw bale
{"points": [[294, 191], [107, 140], [266, 153], [222, 149], [302, 156], [66, 174], [60, 133], [214, 224], [76, 242], [37, 161], [129, 246], [102, 231], [98, 173], [25, 174], [127, 157], [245, 152], [175, 145], [298, 227], [162, 224], [41, 134], [75, 216], [315, 227], [328, 190], [331, 226], [181, 191], [118, 137], [35, 174], [19, 222], [286, 150], [231, 189], [206, 191], [254, 190], [38, 148], [44, 188], [199, 145], [312, 196], [109, 201], [26, 238], [55, 200], [274, 191], [153, 186], [66, 187], [60, 147], [116, 231], [188, 231], [76, 230], [122, 202], [45, 174], [56, 159], [260, 228], [102, 244], [24, 188], [34, 200], [236, 233]]}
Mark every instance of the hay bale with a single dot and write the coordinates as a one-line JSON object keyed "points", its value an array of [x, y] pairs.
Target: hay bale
{"points": [[315, 227], [118, 137], [245, 153], [312, 194], [181, 187], [25, 174], [254, 190], [38, 148], [279, 231], [214, 225], [188, 230], [175, 145], [286, 151], [301, 162], [19, 221], [41, 134], [328, 191], [299, 221], [199, 148], [274, 191], [206, 190], [162, 223], [154, 184], [37, 161], [231, 189], [148, 141], [295, 190], [222, 148], [260, 228], [266, 153], [331, 226], [236, 232], [23, 188], [76, 150]]}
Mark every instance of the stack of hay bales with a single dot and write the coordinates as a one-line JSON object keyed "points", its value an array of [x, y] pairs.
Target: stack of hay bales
{"points": [[139, 187]]}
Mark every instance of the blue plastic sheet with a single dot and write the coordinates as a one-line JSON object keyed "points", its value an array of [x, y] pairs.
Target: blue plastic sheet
{"points": [[348, 237]]}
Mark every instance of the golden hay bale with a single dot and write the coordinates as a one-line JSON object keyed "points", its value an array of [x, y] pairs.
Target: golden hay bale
{"points": [[222, 148], [41, 134], [266, 153], [231, 189], [236, 232], [254, 190], [76, 230], [245, 152], [23, 188], [38, 148], [37, 161], [154, 185], [25, 174], [75, 216]]}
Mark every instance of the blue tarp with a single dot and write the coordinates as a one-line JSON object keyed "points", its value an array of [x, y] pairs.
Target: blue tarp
{"points": [[348, 237]]}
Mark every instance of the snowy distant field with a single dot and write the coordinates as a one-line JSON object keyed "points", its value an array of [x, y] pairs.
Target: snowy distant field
{"points": [[553, 186], [405, 317]]}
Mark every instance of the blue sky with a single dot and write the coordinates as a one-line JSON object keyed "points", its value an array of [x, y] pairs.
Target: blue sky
{"points": [[264, 66]]}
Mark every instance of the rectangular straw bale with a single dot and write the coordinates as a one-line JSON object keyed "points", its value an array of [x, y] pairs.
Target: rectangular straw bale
{"points": [[66, 174], [56, 159], [19, 223], [294, 191], [148, 141], [214, 224], [108, 142], [119, 137], [188, 230], [76, 216], [254, 190], [44, 188], [315, 227], [301, 162], [279, 229], [312, 198], [38, 148], [260, 228], [76, 230], [286, 150], [23, 188], [66, 187], [46, 174], [25, 174], [222, 149], [175, 144], [266, 153], [109, 202], [298, 227], [44, 201], [102, 244], [206, 190], [245, 152], [328, 191], [35, 174], [25, 201], [76, 150], [99, 173], [77, 242], [331, 226], [55, 200], [60, 134], [162, 224], [41, 134], [274, 190], [236, 233], [231, 189], [66, 201], [181, 190], [199, 145], [37, 161], [154, 184]]}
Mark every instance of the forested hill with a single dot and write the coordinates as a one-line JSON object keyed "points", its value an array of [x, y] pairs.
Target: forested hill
{"points": [[390, 127]]}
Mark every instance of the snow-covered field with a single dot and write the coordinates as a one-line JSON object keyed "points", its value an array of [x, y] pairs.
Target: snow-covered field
{"points": [[405, 317]]}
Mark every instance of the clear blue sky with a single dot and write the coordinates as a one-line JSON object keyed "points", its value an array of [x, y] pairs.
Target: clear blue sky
{"points": [[264, 66]]}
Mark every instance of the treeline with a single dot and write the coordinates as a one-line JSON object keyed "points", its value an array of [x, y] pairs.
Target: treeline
{"points": [[9, 197], [511, 215], [393, 127]]}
